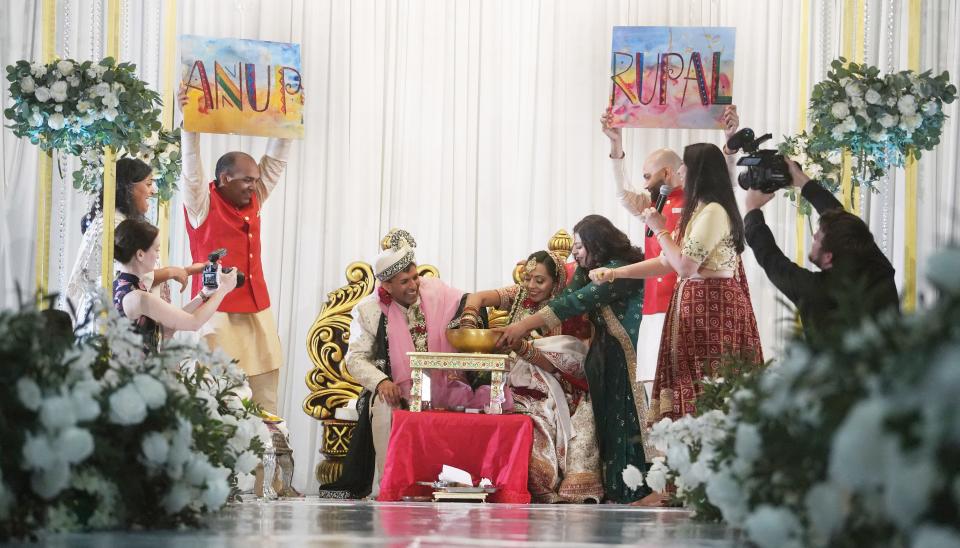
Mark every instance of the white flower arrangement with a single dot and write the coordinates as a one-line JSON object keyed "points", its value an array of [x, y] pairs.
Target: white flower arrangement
{"points": [[160, 150], [880, 121], [80, 108], [851, 442], [98, 435], [632, 477]]}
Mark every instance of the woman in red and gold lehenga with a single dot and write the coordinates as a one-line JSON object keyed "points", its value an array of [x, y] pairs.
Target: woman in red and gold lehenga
{"points": [[710, 317], [548, 384]]}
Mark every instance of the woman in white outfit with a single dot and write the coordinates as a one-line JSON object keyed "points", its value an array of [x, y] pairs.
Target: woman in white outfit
{"points": [[134, 188]]}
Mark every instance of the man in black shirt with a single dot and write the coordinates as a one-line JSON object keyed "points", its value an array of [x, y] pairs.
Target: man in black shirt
{"points": [[852, 267]]}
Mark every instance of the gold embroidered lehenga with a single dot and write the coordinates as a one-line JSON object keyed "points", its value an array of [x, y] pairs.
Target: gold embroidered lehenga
{"points": [[709, 321], [564, 462]]}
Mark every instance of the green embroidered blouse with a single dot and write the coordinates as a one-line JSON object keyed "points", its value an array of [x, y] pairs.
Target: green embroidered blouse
{"points": [[619, 405], [581, 296]]}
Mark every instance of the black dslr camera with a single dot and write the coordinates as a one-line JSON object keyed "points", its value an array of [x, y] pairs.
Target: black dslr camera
{"points": [[210, 271], [766, 170]]}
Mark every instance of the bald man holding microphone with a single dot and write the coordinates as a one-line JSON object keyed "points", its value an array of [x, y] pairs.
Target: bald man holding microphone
{"points": [[661, 185]]}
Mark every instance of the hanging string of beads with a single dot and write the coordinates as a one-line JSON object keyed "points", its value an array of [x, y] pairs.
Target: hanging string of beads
{"points": [[62, 161], [864, 192], [825, 45], [155, 44], [96, 52], [124, 52], [886, 193]]}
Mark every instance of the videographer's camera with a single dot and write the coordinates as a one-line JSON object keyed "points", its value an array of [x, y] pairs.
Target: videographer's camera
{"points": [[766, 170], [210, 271]]}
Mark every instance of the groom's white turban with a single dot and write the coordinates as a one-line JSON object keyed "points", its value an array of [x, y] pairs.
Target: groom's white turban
{"points": [[397, 254]]}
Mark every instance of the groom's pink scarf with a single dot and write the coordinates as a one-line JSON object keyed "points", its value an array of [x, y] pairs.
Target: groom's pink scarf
{"points": [[439, 303]]}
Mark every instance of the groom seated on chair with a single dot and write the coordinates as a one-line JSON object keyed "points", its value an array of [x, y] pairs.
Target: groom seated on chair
{"points": [[411, 313]]}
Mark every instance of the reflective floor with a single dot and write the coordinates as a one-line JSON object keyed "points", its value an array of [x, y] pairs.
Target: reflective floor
{"points": [[312, 522]]}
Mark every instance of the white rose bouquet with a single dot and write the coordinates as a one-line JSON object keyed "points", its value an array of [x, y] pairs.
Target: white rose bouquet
{"points": [[80, 108], [849, 441], [98, 435], [161, 151], [880, 121]]}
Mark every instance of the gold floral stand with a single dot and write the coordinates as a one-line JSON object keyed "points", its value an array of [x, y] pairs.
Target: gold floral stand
{"points": [[496, 364]]}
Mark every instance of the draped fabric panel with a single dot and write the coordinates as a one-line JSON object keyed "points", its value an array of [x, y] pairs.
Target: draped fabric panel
{"points": [[473, 124], [20, 39], [938, 203]]}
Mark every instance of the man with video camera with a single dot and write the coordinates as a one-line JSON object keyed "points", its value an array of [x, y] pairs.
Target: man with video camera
{"points": [[851, 264]]}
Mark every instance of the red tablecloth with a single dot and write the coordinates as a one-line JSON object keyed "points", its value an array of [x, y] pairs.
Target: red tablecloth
{"points": [[487, 446]]}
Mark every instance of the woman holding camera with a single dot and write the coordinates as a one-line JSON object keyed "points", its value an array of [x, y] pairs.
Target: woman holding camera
{"points": [[136, 248], [134, 189], [710, 318]]}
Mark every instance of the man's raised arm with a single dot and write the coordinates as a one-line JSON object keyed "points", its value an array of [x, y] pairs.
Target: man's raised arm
{"points": [[731, 123], [272, 165], [820, 198], [195, 190], [635, 202], [792, 280]]}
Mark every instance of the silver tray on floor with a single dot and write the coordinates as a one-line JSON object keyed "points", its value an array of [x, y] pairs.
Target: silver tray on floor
{"points": [[470, 489], [439, 486]]}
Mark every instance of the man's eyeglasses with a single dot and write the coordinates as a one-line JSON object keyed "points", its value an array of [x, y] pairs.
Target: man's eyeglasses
{"points": [[247, 180]]}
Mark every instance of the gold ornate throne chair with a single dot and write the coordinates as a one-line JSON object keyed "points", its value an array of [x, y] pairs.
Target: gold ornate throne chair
{"points": [[330, 385]]}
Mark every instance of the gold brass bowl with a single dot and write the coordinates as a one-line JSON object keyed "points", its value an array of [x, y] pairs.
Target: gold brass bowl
{"points": [[476, 341]]}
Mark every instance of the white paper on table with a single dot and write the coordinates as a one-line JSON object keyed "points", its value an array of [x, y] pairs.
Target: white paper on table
{"points": [[425, 388], [451, 474], [485, 482]]}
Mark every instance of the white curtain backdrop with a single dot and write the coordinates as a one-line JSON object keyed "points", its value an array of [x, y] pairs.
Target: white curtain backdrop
{"points": [[474, 125]]}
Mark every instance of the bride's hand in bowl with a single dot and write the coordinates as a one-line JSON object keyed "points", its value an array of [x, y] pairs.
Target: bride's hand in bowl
{"points": [[510, 335]]}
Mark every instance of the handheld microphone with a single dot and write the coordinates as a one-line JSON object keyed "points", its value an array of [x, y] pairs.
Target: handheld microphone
{"points": [[661, 201]]}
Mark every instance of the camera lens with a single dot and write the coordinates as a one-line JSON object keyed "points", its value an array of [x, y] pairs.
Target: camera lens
{"points": [[766, 171], [240, 276]]}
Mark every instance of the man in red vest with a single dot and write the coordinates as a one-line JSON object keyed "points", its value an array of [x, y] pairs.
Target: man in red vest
{"points": [[659, 168], [225, 212]]}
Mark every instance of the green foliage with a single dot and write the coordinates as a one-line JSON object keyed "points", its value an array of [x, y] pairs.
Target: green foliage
{"points": [[80, 108], [849, 440], [98, 435], [879, 120]]}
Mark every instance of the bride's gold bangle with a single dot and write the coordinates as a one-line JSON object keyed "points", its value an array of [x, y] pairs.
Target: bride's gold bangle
{"points": [[661, 232]]}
